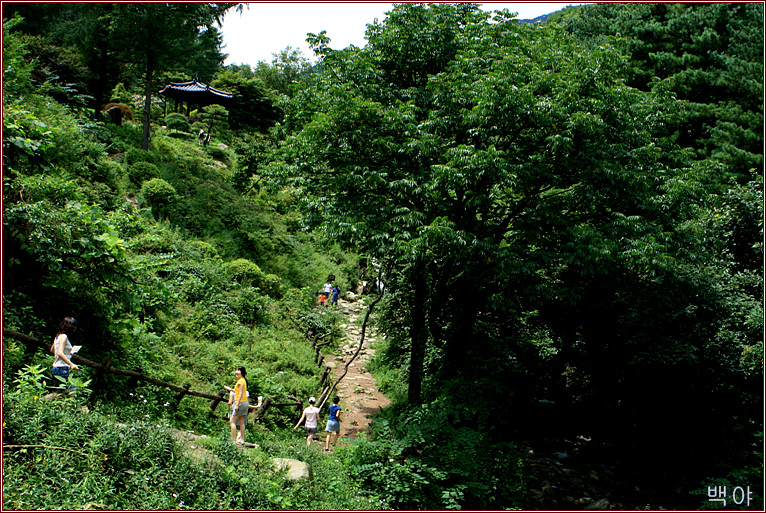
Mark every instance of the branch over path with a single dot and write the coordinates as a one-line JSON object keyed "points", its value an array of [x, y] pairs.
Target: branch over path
{"points": [[360, 397]]}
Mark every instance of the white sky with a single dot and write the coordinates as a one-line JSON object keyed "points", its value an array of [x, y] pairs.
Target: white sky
{"points": [[264, 29]]}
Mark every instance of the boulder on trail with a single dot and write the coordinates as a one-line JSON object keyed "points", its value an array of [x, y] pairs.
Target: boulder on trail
{"points": [[296, 469]]}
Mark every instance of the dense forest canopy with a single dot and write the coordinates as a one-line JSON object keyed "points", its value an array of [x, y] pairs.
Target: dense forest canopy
{"points": [[566, 216]]}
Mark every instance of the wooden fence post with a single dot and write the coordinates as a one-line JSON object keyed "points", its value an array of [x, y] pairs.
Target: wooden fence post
{"points": [[214, 404], [133, 381], [262, 410], [99, 381], [324, 394], [181, 395], [325, 343], [324, 375]]}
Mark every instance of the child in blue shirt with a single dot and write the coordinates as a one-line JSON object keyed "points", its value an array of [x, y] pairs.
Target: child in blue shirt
{"points": [[333, 424]]}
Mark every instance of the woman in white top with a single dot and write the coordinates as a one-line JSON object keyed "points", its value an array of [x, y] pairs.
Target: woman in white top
{"points": [[62, 350], [311, 416], [327, 289]]}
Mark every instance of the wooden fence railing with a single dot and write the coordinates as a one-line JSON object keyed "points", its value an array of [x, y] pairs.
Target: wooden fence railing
{"points": [[105, 367]]}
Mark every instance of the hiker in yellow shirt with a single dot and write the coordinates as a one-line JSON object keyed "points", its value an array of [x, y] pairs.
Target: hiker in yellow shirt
{"points": [[241, 406]]}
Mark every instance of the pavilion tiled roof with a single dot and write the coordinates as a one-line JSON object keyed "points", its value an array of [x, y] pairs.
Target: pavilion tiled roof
{"points": [[196, 92]]}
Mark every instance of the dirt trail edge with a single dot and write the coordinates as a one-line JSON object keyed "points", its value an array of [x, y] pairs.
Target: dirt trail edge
{"points": [[360, 398]]}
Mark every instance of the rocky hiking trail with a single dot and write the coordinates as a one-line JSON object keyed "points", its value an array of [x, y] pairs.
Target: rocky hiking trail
{"points": [[360, 398], [561, 473]]}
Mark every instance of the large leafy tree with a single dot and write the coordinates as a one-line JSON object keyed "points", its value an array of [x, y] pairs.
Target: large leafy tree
{"points": [[449, 154], [539, 223], [376, 181], [710, 55], [288, 67], [252, 105]]}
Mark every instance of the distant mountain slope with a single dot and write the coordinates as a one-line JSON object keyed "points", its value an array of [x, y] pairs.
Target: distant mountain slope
{"points": [[540, 19]]}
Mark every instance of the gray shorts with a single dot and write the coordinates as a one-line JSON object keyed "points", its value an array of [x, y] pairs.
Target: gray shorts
{"points": [[312, 430], [243, 410]]}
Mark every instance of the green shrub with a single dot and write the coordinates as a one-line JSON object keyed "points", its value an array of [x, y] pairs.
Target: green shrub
{"points": [[135, 155], [109, 172], [300, 300], [194, 281], [250, 306], [177, 121], [17, 65], [271, 284], [248, 274], [205, 250], [127, 223], [120, 94], [13, 354], [245, 271], [123, 138], [159, 194], [390, 381], [184, 136], [100, 194], [217, 153], [53, 189], [432, 460], [141, 172]]}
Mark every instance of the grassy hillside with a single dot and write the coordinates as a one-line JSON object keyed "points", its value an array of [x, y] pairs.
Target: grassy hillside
{"points": [[169, 269]]}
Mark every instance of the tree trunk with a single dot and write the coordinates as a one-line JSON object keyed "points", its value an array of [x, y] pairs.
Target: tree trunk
{"points": [[100, 90], [108, 67], [148, 100], [460, 343], [418, 336]]}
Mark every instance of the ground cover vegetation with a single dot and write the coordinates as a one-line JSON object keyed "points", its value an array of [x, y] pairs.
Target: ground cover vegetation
{"points": [[567, 218]]}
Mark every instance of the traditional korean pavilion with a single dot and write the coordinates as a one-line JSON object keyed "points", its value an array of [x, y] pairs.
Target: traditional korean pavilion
{"points": [[196, 93]]}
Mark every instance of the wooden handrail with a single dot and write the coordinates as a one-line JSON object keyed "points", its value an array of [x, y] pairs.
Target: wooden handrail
{"points": [[183, 391], [79, 360]]}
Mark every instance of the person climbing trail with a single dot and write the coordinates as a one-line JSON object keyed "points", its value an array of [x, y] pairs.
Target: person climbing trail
{"points": [[333, 424], [327, 291], [311, 416]]}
